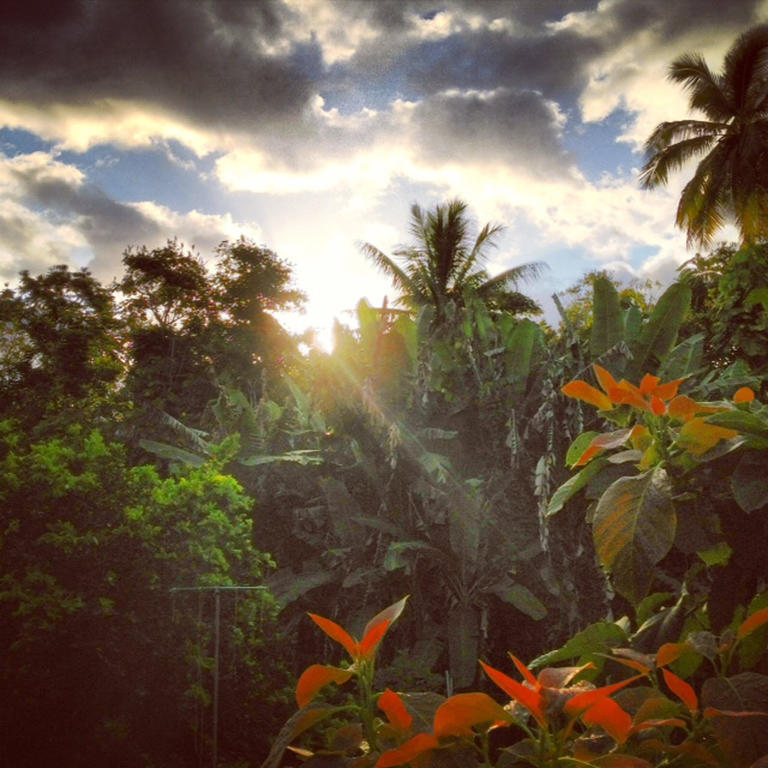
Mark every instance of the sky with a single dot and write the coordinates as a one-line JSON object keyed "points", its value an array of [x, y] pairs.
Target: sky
{"points": [[310, 126]]}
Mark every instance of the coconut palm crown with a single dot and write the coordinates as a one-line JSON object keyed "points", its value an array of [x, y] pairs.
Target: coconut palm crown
{"points": [[731, 180], [444, 266]]}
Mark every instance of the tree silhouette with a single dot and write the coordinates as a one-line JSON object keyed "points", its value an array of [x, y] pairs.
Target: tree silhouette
{"points": [[731, 181], [444, 265]]}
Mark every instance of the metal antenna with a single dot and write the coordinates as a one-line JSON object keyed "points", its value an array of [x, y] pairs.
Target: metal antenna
{"points": [[217, 590]]}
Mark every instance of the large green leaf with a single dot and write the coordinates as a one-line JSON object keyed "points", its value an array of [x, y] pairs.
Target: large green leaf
{"points": [[742, 421], [572, 486], [521, 346], [380, 524], [342, 511], [660, 332], [166, 451], [749, 482], [633, 529], [606, 317], [304, 457], [684, 359], [633, 324], [578, 446], [520, 597], [401, 554], [409, 331], [287, 586], [743, 739], [595, 639]]}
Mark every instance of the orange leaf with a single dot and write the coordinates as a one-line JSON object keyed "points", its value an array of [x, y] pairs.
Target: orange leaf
{"points": [[412, 748], [368, 645], [744, 395], [582, 701], [669, 389], [616, 760], [649, 384], [306, 720], [611, 718], [604, 378], [337, 633], [697, 437], [676, 721], [394, 708], [682, 690], [657, 406], [669, 652], [588, 455], [624, 395], [683, 408], [710, 712], [459, 714], [560, 677], [529, 698], [640, 437], [316, 677], [638, 666], [524, 671], [628, 386], [580, 390], [756, 620], [388, 615]]}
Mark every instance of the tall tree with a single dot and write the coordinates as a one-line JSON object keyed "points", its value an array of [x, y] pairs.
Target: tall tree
{"points": [[170, 311], [444, 265], [192, 330], [61, 337], [731, 180]]}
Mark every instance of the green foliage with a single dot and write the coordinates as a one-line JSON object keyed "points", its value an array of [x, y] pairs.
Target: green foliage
{"points": [[731, 137], [60, 344], [690, 491], [91, 549], [727, 286], [689, 704], [443, 268]]}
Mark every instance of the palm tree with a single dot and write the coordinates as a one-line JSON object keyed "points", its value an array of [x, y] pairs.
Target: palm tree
{"points": [[731, 181], [444, 265]]}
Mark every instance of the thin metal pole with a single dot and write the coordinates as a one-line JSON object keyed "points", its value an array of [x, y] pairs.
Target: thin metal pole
{"points": [[217, 589], [217, 638]]}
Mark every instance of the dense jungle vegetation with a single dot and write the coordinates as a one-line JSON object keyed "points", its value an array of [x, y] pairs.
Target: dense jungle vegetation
{"points": [[586, 492]]}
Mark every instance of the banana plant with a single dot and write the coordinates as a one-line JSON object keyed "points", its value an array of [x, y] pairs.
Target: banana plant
{"points": [[642, 346]]}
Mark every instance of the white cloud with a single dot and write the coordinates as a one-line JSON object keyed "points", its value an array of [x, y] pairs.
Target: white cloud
{"points": [[119, 122], [49, 214]]}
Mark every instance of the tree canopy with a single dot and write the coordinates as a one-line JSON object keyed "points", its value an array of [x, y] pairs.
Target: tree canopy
{"points": [[731, 181], [444, 264]]}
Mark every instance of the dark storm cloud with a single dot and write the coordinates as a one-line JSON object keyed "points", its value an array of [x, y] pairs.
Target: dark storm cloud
{"points": [[489, 59], [671, 20], [105, 223], [509, 127], [534, 50], [194, 57]]}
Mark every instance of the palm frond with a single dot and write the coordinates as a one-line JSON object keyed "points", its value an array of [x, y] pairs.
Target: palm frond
{"points": [[194, 437], [746, 67], [706, 89], [669, 132], [705, 201], [656, 171], [533, 270], [388, 266], [484, 239]]}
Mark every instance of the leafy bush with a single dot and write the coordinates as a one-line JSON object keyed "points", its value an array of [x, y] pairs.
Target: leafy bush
{"points": [[94, 644]]}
